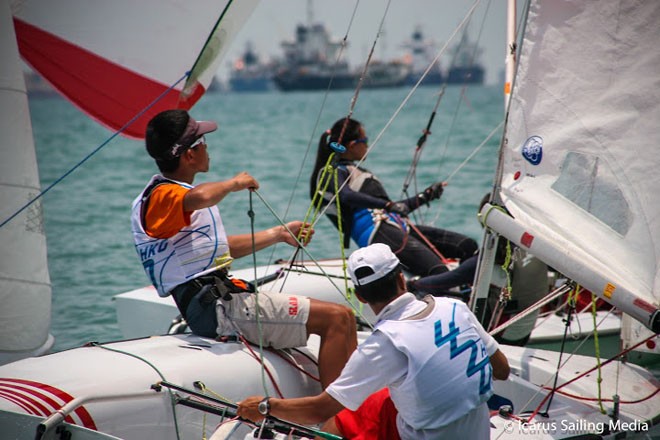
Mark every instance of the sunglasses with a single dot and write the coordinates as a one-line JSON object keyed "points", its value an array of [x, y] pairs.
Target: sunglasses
{"points": [[364, 140], [198, 142]]}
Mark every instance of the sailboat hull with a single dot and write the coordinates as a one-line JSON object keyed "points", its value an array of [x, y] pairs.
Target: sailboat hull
{"points": [[574, 409], [109, 388]]}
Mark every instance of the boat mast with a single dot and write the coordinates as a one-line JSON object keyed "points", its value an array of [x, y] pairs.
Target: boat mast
{"points": [[481, 285], [310, 14], [510, 62]]}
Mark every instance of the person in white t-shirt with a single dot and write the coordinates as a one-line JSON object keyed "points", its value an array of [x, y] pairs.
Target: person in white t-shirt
{"points": [[433, 355]]}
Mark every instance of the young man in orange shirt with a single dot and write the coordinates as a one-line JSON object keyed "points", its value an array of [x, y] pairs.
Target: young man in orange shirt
{"points": [[186, 253]]}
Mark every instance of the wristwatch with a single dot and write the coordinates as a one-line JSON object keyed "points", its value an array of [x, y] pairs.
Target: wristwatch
{"points": [[264, 406]]}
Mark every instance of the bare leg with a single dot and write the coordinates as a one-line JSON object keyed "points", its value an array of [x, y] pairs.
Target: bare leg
{"points": [[330, 427], [336, 326]]}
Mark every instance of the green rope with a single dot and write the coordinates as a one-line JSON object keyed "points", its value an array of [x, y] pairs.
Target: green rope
{"points": [[341, 236], [314, 210], [572, 296], [172, 399], [317, 200], [599, 380], [482, 218], [204, 389], [311, 257], [506, 267]]}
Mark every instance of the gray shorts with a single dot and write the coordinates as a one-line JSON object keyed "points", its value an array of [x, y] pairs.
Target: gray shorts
{"points": [[282, 318]]}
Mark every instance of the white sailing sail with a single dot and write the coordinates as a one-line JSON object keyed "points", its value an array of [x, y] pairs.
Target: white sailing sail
{"points": [[25, 291], [89, 50], [579, 167]]}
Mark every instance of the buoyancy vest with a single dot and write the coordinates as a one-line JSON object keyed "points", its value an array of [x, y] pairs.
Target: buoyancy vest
{"points": [[197, 249], [449, 371]]}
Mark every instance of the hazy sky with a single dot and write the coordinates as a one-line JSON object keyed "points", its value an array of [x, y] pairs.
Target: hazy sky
{"points": [[275, 20]]}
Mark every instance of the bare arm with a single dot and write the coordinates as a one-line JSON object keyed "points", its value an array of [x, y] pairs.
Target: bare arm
{"points": [[241, 245], [304, 410], [208, 194], [500, 365]]}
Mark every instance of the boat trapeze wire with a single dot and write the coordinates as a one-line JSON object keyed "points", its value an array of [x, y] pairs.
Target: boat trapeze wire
{"points": [[363, 75], [469, 158], [320, 212], [404, 101], [412, 171], [315, 210]]}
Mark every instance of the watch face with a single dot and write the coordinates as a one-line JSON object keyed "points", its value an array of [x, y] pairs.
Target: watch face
{"points": [[263, 407]]}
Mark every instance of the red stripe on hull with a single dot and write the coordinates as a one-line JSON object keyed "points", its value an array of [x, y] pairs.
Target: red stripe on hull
{"points": [[30, 409], [106, 91], [81, 412], [33, 397]]}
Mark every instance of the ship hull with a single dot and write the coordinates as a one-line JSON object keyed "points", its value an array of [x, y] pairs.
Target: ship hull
{"points": [[290, 83]]}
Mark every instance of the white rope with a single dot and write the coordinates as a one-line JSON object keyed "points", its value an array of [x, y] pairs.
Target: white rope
{"points": [[311, 257]]}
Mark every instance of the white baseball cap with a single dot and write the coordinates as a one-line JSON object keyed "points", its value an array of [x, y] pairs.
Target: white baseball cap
{"points": [[378, 257]]}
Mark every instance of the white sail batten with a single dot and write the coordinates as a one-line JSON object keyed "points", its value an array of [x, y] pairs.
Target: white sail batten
{"points": [[580, 163], [25, 291]]}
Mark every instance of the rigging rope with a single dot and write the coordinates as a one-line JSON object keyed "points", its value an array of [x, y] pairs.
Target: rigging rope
{"points": [[406, 99], [153, 367], [316, 123], [418, 151], [380, 134], [583, 374], [572, 298], [544, 386], [256, 294], [599, 379], [96, 150], [311, 257], [354, 99]]}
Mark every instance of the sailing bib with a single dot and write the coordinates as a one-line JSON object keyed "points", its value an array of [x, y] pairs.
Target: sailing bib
{"points": [[197, 249], [367, 220], [449, 371]]}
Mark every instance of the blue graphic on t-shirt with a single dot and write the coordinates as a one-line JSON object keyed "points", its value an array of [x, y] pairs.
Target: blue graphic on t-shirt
{"points": [[473, 345]]}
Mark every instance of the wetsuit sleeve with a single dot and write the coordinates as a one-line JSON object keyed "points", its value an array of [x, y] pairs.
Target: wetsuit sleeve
{"points": [[165, 215], [357, 199], [413, 202]]}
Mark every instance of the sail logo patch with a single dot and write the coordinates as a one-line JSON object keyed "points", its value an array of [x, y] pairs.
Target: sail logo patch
{"points": [[532, 151]]}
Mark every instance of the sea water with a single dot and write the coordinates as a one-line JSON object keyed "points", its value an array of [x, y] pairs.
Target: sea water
{"points": [[274, 137]]}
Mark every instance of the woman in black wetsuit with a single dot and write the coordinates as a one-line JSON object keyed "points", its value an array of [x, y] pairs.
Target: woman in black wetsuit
{"points": [[368, 215]]}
